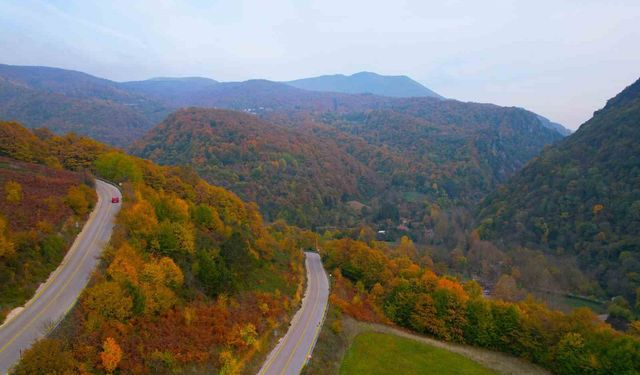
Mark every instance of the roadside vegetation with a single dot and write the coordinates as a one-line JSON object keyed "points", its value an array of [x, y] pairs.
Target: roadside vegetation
{"points": [[373, 283]]}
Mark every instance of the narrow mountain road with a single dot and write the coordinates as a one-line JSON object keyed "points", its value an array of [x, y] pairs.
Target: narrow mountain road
{"points": [[58, 295], [292, 352]]}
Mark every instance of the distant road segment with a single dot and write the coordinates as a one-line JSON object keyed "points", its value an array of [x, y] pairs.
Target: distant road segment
{"points": [[58, 295], [294, 349]]}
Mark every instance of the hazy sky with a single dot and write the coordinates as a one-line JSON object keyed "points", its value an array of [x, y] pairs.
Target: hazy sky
{"points": [[559, 58]]}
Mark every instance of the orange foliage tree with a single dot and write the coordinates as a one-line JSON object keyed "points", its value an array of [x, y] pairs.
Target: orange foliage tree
{"points": [[111, 354]]}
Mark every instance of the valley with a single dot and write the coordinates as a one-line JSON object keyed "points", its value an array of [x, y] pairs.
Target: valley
{"points": [[319, 187], [469, 223]]}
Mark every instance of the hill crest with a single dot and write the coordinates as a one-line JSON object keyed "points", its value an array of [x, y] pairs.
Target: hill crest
{"points": [[365, 82]]}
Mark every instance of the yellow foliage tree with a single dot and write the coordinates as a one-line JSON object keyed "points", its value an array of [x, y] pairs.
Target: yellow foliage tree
{"points": [[158, 277], [125, 265], [13, 192], [406, 248], [77, 199], [46, 356], [140, 219], [173, 276], [158, 299], [249, 334], [186, 237], [109, 300]]}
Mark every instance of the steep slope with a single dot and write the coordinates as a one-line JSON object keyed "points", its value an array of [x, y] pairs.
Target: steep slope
{"points": [[39, 208], [581, 197], [290, 174], [363, 83], [450, 141]]}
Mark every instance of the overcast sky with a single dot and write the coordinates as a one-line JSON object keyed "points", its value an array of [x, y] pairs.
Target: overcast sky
{"points": [[560, 58]]}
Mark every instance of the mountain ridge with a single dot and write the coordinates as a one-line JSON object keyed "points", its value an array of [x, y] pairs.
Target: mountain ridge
{"points": [[120, 112], [580, 197], [365, 82]]}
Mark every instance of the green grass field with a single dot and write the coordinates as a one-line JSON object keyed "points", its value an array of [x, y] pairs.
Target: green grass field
{"points": [[568, 303], [379, 354]]}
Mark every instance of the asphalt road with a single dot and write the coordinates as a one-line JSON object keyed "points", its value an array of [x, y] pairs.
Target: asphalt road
{"points": [[293, 350], [58, 295]]}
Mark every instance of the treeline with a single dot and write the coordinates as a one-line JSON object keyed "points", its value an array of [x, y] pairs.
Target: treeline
{"points": [[370, 285], [192, 278]]}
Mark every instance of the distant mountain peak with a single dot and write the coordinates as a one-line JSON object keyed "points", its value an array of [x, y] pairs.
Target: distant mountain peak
{"points": [[182, 79], [366, 83]]}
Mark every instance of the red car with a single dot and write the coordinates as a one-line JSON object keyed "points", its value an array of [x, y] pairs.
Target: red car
{"points": [[115, 200]]}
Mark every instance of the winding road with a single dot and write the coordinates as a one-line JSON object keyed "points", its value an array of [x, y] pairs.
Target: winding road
{"points": [[61, 291], [294, 349]]}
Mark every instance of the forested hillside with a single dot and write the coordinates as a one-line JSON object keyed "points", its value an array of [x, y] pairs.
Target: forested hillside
{"points": [[192, 279], [66, 101], [42, 208], [464, 148], [290, 174], [581, 198], [392, 167]]}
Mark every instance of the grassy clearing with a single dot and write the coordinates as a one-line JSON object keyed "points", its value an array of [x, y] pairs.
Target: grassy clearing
{"points": [[380, 354], [568, 303], [339, 332]]}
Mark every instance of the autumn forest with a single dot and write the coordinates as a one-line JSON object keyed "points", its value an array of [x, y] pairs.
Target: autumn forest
{"points": [[479, 226]]}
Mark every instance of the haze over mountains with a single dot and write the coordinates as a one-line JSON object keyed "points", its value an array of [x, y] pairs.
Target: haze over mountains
{"points": [[67, 100], [497, 196], [247, 187], [380, 151]]}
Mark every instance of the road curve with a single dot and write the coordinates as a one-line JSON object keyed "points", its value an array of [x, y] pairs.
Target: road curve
{"points": [[293, 350], [56, 297]]}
